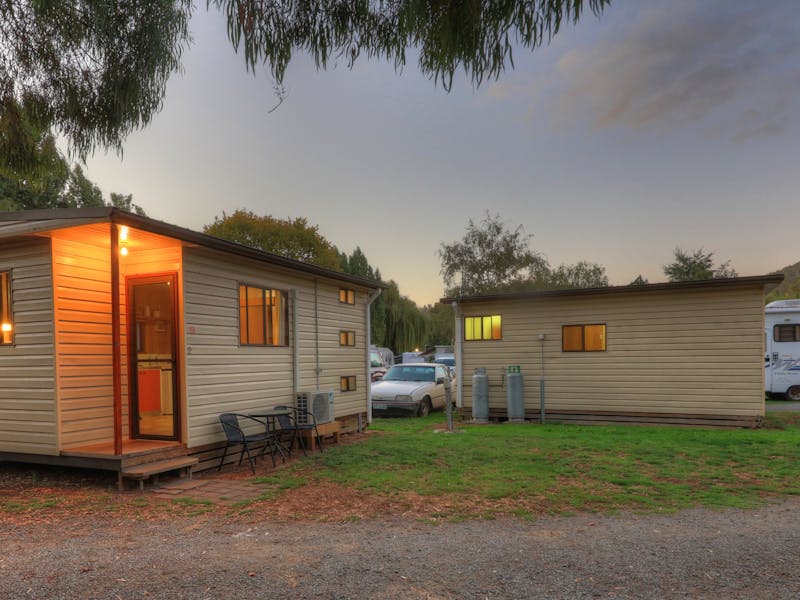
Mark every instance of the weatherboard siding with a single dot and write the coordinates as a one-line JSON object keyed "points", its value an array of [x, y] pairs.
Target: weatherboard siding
{"points": [[687, 352], [222, 376], [28, 415], [81, 275]]}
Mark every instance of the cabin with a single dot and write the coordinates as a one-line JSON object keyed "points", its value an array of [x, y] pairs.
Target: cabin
{"points": [[123, 338], [687, 353]]}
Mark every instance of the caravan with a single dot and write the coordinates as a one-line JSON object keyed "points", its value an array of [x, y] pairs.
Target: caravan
{"points": [[782, 359]]}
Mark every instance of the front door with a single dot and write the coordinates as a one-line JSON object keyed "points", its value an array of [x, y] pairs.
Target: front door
{"points": [[153, 362]]}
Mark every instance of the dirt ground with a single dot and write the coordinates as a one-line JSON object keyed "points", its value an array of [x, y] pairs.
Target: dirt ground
{"points": [[68, 534], [691, 554]]}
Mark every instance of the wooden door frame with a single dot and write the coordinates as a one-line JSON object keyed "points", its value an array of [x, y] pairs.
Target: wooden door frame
{"points": [[133, 385]]}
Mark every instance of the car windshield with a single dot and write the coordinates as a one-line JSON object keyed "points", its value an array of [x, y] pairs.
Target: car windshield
{"points": [[375, 359], [401, 373]]}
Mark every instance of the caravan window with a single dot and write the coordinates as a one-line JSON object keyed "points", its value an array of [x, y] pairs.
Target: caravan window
{"points": [[786, 333], [6, 327]]}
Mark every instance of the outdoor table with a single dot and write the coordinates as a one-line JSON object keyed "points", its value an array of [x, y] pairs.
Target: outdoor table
{"points": [[270, 416]]}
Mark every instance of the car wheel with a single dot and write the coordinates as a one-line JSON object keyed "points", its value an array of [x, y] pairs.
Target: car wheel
{"points": [[424, 407], [793, 393]]}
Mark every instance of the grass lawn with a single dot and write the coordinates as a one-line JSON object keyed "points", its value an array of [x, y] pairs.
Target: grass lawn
{"points": [[531, 469]]}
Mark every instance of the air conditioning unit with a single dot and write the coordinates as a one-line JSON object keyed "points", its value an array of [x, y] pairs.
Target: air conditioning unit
{"points": [[319, 403]]}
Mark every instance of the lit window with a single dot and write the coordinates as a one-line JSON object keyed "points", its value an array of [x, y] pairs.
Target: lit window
{"points": [[262, 317], [347, 338], [483, 328], [6, 326], [347, 296], [347, 383], [583, 338]]}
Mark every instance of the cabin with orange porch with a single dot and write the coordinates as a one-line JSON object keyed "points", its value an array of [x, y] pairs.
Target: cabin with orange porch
{"points": [[122, 338]]}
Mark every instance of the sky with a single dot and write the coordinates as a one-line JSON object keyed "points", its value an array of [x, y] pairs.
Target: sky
{"points": [[660, 124]]}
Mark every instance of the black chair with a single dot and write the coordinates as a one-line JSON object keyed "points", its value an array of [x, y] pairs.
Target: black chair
{"points": [[301, 421], [236, 436]]}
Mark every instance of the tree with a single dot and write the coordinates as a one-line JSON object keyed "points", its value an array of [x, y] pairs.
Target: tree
{"points": [[639, 280], [697, 265], [80, 191], [92, 70], [489, 258], [582, 274], [95, 71], [34, 174], [406, 326], [125, 202], [441, 324], [294, 239], [357, 264]]}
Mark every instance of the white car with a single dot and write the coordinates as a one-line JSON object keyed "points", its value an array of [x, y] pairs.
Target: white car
{"points": [[414, 388]]}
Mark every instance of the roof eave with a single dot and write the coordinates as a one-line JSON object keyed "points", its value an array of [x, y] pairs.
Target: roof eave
{"points": [[768, 281]]}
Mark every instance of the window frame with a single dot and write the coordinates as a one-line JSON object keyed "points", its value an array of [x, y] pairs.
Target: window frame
{"points": [[795, 327], [347, 383], [583, 327], [6, 308], [266, 316], [482, 320], [347, 296], [349, 337]]}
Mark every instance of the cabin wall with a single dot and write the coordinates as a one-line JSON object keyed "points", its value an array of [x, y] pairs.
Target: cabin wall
{"points": [[224, 376], [82, 275], [678, 352], [28, 415]]}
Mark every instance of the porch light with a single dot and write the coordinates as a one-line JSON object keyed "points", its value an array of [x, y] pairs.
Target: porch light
{"points": [[6, 327], [123, 251], [123, 233]]}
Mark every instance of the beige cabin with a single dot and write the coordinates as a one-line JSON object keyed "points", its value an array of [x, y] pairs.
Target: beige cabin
{"points": [[124, 336], [681, 353]]}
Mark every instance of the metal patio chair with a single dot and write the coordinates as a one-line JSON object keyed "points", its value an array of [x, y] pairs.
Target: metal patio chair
{"points": [[235, 436], [297, 426]]}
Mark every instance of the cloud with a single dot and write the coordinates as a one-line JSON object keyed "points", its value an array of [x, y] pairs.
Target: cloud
{"points": [[677, 62]]}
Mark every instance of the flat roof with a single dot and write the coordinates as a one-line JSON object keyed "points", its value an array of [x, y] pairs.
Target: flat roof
{"points": [[26, 222], [770, 280]]}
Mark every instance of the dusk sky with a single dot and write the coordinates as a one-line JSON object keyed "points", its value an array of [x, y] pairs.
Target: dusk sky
{"points": [[659, 124]]}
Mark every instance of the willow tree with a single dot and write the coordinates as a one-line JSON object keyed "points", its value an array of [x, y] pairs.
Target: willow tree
{"points": [[97, 70], [406, 325]]}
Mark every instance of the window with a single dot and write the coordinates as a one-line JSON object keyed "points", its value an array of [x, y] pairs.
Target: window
{"points": [[6, 326], [347, 338], [347, 383], [583, 338], [262, 317], [347, 296], [483, 328], [786, 333]]}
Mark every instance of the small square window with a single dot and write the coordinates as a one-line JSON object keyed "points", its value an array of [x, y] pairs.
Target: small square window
{"points": [[347, 383], [347, 296], [347, 338]]}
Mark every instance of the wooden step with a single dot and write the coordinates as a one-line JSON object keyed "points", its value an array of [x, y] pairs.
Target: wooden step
{"points": [[145, 470]]}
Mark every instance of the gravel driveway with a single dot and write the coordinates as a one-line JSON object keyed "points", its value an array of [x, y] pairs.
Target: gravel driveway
{"points": [[691, 554]]}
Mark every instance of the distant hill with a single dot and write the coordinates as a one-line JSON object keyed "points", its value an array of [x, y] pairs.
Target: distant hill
{"points": [[790, 288]]}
